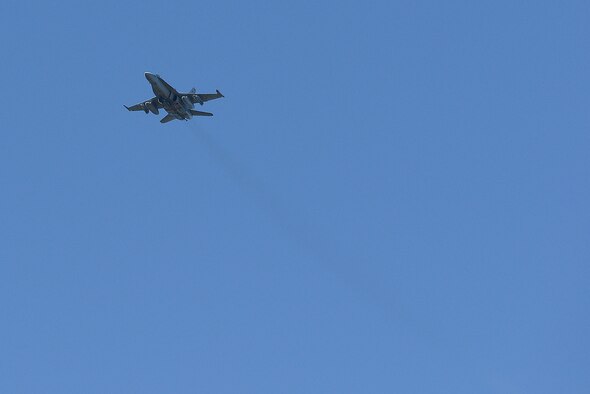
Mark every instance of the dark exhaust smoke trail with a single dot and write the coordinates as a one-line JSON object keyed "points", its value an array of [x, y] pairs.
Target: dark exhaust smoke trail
{"points": [[325, 258], [253, 187]]}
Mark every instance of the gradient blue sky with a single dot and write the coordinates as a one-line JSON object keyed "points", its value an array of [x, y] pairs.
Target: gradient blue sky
{"points": [[393, 197]]}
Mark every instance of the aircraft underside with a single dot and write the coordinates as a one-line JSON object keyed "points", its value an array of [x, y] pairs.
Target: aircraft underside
{"points": [[178, 105]]}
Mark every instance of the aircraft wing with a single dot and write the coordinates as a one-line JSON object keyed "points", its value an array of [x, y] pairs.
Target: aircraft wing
{"points": [[136, 107], [204, 97], [141, 107]]}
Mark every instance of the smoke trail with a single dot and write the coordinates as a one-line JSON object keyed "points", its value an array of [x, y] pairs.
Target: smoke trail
{"points": [[253, 188], [324, 257], [334, 263]]}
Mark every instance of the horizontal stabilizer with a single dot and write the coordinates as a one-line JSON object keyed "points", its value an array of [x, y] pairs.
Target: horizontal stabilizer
{"points": [[167, 118], [200, 113]]}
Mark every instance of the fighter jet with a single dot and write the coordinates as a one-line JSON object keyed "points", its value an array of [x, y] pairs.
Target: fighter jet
{"points": [[178, 105]]}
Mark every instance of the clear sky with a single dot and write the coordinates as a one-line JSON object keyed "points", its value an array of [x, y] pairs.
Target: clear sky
{"points": [[393, 197]]}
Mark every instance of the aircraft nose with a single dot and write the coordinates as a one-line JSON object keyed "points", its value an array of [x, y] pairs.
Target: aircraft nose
{"points": [[148, 75]]}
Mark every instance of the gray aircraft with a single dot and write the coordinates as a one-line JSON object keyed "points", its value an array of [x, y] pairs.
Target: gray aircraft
{"points": [[178, 105]]}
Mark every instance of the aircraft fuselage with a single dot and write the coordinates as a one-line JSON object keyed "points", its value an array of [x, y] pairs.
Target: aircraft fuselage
{"points": [[174, 103]]}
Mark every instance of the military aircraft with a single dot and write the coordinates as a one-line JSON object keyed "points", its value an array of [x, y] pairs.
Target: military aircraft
{"points": [[178, 105]]}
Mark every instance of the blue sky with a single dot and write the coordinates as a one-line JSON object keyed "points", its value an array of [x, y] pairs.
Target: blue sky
{"points": [[392, 197]]}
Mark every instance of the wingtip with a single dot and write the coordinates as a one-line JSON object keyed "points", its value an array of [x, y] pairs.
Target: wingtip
{"points": [[219, 93], [126, 107]]}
